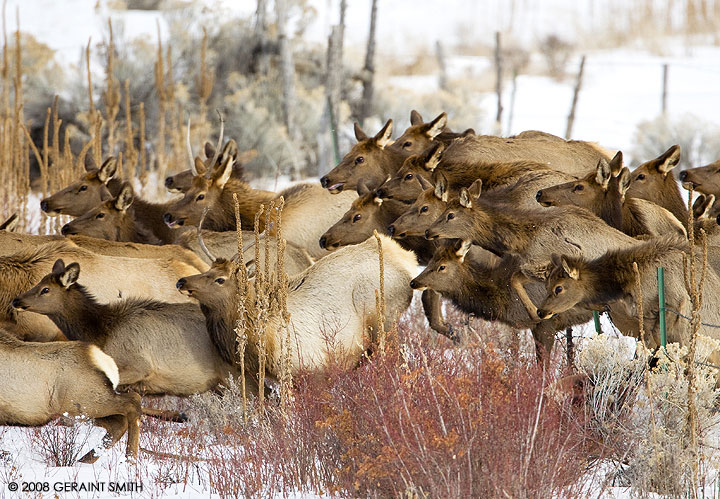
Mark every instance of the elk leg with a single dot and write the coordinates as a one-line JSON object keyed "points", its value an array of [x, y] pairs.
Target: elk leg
{"points": [[544, 337], [570, 352], [517, 282], [115, 426], [432, 305]]}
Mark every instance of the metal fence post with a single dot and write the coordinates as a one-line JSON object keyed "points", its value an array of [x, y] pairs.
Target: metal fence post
{"points": [[596, 319]]}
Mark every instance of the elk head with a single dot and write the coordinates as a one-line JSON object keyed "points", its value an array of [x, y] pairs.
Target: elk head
{"points": [[703, 179], [404, 186], [84, 194], [107, 220], [441, 273], [587, 192], [367, 160], [204, 192], [420, 135], [457, 219], [565, 286], [216, 288], [48, 296], [428, 206]]}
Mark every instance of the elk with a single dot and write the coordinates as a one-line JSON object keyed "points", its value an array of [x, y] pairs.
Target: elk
{"points": [[479, 283], [91, 189], [533, 234], [420, 135], [604, 195], [141, 278], [181, 182], [592, 283], [654, 181], [159, 348], [44, 380], [331, 306], [703, 179]]}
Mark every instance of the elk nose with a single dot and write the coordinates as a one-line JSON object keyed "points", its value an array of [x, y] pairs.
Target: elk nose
{"points": [[65, 229], [169, 182], [391, 230], [538, 195], [323, 242], [44, 205], [683, 175], [427, 234], [413, 284], [16, 303], [542, 313], [167, 217], [325, 182], [717, 220], [180, 283]]}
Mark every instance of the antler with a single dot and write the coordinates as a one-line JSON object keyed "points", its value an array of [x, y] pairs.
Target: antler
{"points": [[211, 165], [190, 153], [200, 238]]}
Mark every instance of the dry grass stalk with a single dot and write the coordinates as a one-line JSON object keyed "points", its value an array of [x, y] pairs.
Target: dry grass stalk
{"points": [[281, 290], [241, 295], [97, 140], [143, 154], [261, 313], [162, 104], [131, 154], [91, 102], [111, 95], [380, 297], [206, 79]]}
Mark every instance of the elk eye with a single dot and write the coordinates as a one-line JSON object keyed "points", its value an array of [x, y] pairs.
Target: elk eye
{"points": [[44, 291], [201, 197], [357, 217], [409, 176], [423, 209], [578, 188], [359, 160], [441, 268], [83, 188], [558, 290], [451, 216], [641, 176], [100, 215], [220, 280], [407, 144]]}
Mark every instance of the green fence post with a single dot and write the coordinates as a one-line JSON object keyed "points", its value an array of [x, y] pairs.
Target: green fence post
{"points": [[661, 302], [596, 319]]}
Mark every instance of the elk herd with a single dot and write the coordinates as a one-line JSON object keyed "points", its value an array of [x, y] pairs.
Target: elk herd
{"points": [[140, 297]]}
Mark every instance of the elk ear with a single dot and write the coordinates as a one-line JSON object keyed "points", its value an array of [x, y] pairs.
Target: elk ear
{"points": [[383, 137], [603, 174], [475, 189], [415, 118], [469, 131], [359, 134], [209, 150], [465, 200], [89, 163], [623, 180], [441, 190], [107, 170], [230, 150], [125, 198], [702, 205], [70, 275], [58, 267], [424, 183], [10, 224], [616, 163], [572, 272], [668, 160], [433, 155], [201, 167], [461, 248], [222, 173], [436, 126], [362, 189]]}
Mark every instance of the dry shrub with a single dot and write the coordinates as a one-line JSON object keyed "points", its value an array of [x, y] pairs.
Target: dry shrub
{"points": [[645, 426], [556, 52], [61, 442]]}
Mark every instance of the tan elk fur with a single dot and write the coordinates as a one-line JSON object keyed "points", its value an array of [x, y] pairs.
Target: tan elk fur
{"points": [[44, 380]]}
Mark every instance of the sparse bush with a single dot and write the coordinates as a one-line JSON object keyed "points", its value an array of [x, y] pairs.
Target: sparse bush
{"points": [[696, 137], [61, 442], [556, 52]]}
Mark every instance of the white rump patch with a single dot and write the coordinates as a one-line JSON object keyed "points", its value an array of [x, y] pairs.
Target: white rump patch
{"points": [[106, 364]]}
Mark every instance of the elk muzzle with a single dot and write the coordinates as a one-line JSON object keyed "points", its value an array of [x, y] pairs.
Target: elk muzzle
{"points": [[17, 304], [544, 314], [173, 222]]}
